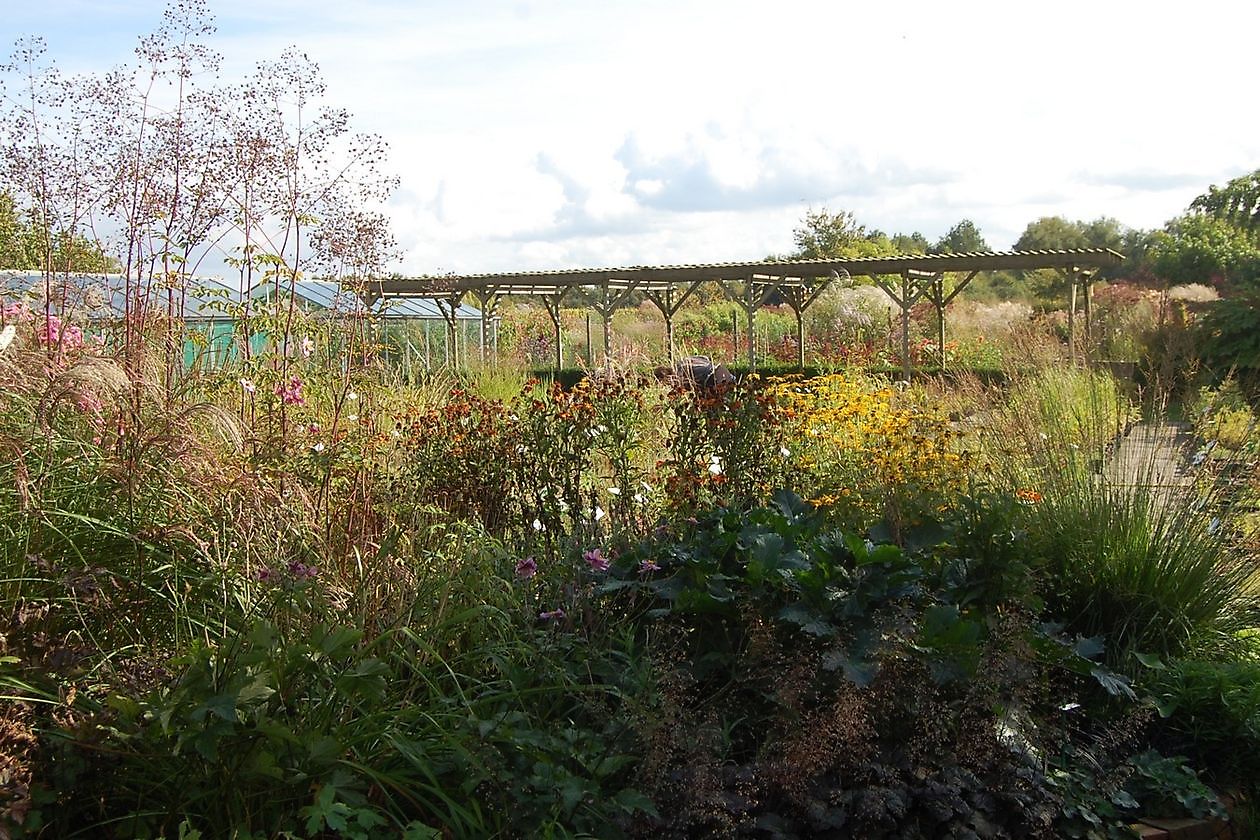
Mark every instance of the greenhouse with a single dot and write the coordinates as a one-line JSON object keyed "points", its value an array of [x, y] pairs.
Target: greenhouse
{"points": [[417, 331]]}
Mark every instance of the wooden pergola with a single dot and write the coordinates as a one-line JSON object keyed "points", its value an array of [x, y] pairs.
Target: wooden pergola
{"points": [[906, 279]]}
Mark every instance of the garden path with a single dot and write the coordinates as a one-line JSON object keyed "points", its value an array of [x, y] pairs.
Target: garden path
{"points": [[1153, 455]]}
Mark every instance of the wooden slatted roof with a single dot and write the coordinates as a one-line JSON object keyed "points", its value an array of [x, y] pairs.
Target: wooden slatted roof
{"points": [[800, 271]]}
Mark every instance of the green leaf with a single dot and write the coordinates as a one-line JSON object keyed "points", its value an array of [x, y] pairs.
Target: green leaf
{"points": [[338, 641], [1090, 648], [1123, 799], [324, 750], [857, 670], [807, 619], [1117, 685], [789, 504], [256, 691], [125, 706], [368, 819], [366, 679], [222, 706], [632, 801], [572, 791]]}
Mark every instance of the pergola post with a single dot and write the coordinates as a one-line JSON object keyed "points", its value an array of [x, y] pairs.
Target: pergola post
{"points": [[750, 310], [1079, 279], [669, 305], [488, 300], [552, 304], [451, 317], [750, 300], [910, 292], [905, 326], [799, 298], [667, 312], [605, 307], [940, 301]]}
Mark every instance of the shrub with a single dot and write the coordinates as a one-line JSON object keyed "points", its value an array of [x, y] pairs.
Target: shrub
{"points": [[1211, 713]]}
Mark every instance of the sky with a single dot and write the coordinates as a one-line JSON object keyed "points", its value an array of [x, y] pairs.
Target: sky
{"points": [[584, 133]]}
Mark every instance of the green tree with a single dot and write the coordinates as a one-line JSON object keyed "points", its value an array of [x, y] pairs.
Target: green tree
{"points": [[962, 238], [1057, 233], [1052, 233], [1237, 203], [823, 234], [17, 250], [912, 243], [1204, 249], [1104, 232], [25, 246]]}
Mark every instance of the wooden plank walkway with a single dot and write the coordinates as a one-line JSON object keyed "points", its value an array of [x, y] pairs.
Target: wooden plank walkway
{"points": [[1153, 455]]}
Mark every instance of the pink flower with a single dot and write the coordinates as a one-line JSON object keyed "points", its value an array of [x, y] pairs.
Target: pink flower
{"points": [[291, 394], [526, 568], [15, 311], [553, 615], [301, 571], [53, 331], [49, 332], [308, 347], [89, 404], [646, 566], [596, 560], [264, 574]]}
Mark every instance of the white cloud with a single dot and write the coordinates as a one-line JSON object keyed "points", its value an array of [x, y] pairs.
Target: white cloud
{"points": [[564, 133]]}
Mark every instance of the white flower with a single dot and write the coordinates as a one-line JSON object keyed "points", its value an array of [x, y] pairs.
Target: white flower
{"points": [[715, 465], [599, 513], [784, 451], [319, 447], [248, 386], [352, 396], [308, 347], [538, 526], [352, 417], [614, 491], [639, 498]]}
